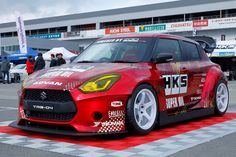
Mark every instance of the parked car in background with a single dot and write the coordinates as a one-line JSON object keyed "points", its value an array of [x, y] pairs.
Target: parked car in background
{"points": [[18, 73]]}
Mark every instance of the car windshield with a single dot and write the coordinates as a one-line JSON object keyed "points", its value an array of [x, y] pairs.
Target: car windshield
{"points": [[20, 66], [119, 50]]}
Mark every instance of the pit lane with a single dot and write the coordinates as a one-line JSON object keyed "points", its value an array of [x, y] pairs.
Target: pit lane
{"points": [[176, 140]]}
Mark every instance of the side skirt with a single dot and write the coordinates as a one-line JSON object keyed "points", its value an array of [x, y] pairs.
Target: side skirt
{"points": [[166, 119]]}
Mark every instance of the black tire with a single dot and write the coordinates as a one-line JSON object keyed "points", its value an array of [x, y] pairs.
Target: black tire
{"points": [[17, 78], [131, 122], [217, 110]]}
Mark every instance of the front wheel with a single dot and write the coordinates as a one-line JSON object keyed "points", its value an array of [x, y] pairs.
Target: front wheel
{"points": [[142, 110], [221, 98]]}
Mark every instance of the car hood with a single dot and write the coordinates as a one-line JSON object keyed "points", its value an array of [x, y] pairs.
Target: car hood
{"points": [[70, 76], [17, 71]]}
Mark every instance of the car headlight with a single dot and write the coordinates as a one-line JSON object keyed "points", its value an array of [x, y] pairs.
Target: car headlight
{"points": [[99, 84]]}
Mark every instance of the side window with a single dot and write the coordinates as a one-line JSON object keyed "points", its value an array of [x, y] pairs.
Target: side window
{"points": [[190, 52], [168, 46]]}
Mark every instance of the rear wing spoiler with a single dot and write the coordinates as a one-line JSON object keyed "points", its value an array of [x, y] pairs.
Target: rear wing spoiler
{"points": [[207, 43]]}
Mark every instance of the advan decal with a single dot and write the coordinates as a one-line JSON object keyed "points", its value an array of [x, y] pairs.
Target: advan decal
{"points": [[114, 125], [175, 84]]}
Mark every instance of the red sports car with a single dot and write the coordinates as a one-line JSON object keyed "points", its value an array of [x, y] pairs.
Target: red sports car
{"points": [[124, 83]]}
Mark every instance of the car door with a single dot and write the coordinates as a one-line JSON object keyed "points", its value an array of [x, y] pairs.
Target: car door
{"points": [[173, 81], [196, 70]]}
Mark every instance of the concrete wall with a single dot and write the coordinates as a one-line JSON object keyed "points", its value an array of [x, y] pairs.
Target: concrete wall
{"points": [[42, 43], [230, 34]]}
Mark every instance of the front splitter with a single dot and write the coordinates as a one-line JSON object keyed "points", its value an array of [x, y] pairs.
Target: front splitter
{"points": [[58, 132]]}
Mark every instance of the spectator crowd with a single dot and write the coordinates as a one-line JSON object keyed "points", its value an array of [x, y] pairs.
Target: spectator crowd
{"points": [[32, 65]]}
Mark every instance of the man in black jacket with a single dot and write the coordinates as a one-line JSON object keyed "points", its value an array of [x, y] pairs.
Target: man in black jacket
{"points": [[60, 59], [39, 63], [5, 68], [53, 62]]}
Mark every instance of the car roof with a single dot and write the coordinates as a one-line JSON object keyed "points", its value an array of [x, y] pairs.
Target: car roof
{"points": [[149, 35]]}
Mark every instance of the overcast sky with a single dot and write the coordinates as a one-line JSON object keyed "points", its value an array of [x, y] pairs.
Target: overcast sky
{"points": [[31, 9]]}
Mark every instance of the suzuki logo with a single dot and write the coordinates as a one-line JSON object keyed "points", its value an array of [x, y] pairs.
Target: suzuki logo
{"points": [[43, 96]]}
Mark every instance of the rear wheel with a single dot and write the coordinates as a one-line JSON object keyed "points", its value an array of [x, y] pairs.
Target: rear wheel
{"points": [[221, 98], [142, 110], [17, 78]]}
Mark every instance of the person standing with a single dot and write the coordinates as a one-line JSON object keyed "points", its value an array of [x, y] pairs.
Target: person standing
{"points": [[53, 62], [30, 65], [39, 63], [60, 59], [5, 68]]}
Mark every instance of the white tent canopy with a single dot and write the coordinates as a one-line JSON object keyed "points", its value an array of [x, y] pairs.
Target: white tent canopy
{"points": [[66, 54]]}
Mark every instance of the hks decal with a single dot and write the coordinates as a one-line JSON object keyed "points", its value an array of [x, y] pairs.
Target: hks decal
{"points": [[175, 84]]}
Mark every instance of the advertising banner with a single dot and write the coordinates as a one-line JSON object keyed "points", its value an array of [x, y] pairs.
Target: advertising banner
{"points": [[180, 26], [223, 23], [21, 34], [47, 36], [200, 23], [149, 28], [120, 30]]}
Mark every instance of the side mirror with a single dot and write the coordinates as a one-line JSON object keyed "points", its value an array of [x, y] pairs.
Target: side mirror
{"points": [[163, 58]]}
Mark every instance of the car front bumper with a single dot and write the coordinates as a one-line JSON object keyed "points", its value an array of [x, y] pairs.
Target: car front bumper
{"points": [[94, 115]]}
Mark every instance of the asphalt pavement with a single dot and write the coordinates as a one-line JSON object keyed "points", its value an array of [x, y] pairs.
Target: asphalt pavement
{"points": [[8, 112], [221, 147]]}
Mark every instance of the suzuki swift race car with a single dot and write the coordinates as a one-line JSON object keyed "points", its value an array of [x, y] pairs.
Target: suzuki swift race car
{"points": [[124, 83]]}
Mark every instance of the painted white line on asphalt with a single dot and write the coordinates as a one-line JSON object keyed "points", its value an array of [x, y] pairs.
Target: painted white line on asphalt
{"points": [[5, 123], [3, 110], [8, 108], [163, 147]]}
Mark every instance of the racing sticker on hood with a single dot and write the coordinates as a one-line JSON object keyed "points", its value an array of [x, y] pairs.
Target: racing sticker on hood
{"points": [[48, 83], [75, 68], [130, 40], [51, 74]]}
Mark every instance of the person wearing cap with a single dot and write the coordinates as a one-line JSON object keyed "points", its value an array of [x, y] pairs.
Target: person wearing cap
{"points": [[39, 63]]}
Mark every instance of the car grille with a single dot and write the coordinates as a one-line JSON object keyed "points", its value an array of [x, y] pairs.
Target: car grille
{"points": [[58, 99], [51, 116], [52, 95]]}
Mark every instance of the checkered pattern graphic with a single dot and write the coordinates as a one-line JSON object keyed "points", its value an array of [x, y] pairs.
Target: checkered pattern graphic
{"points": [[163, 147], [115, 124]]}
